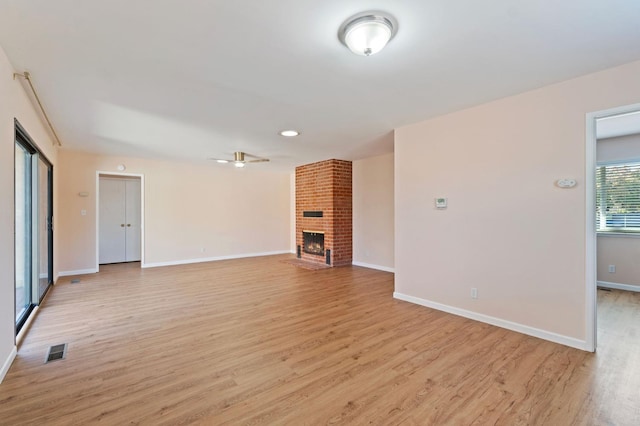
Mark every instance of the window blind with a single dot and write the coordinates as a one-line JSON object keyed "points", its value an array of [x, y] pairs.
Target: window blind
{"points": [[618, 197]]}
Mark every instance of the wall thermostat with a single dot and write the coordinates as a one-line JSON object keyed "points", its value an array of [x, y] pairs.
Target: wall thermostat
{"points": [[441, 203], [566, 183]]}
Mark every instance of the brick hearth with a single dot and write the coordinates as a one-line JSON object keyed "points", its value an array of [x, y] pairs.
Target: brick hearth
{"points": [[326, 186]]}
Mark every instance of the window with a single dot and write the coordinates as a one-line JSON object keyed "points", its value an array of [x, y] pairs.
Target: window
{"points": [[618, 197]]}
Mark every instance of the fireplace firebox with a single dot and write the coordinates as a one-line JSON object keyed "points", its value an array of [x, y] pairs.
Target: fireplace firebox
{"points": [[313, 242]]}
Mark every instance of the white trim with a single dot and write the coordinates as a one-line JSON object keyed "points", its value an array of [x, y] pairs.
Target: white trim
{"points": [[8, 362], [27, 324], [142, 227], [371, 266], [591, 316], [77, 272], [619, 234], [590, 253], [633, 160], [212, 259], [520, 328], [616, 286]]}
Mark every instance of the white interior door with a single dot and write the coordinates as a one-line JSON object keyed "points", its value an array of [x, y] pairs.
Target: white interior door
{"points": [[132, 216], [119, 229], [112, 220]]}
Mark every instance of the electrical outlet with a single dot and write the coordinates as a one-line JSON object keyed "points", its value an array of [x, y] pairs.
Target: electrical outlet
{"points": [[202, 250], [474, 293], [612, 269]]}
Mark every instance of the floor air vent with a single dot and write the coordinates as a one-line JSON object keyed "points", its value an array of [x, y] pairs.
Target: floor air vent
{"points": [[75, 281], [56, 352]]}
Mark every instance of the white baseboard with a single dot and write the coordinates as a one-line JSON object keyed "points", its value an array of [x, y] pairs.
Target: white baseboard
{"points": [[77, 272], [211, 259], [25, 327], [616, 286], [520, 328], [8, 362], [371, 266]]}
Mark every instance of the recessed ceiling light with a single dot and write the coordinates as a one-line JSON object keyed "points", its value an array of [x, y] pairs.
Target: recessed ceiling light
{"points": [[289, 133], [222, 161]]}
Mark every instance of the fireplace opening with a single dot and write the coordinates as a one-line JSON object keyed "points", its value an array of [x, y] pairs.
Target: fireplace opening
{"points": [[313, 242]]}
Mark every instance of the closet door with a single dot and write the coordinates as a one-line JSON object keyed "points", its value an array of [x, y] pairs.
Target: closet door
{"points": [[112, 219], [120, 218], [133, 217]]}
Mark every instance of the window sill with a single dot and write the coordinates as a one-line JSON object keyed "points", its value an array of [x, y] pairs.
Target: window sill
{"points": [[618, 234]]}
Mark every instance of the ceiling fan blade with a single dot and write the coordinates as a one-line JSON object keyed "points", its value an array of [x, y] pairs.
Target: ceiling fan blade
{"points": [[259, 160], [219, 160]]}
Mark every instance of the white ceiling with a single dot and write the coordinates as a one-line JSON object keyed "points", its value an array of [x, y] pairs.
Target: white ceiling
{"points": [[197, 79]]}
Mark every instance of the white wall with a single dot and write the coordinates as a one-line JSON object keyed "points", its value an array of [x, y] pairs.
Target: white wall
{"points": [[508, 230], [621, 251], [373, 236], [14, 103], [228, 212]]}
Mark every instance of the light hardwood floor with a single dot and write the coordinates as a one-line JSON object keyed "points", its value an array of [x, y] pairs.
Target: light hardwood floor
{"points": [[259, 341]]}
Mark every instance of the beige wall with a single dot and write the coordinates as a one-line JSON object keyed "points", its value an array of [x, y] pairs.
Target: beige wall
{"points": [[508, 230], [624, 253], [225, 211], [373, 212], [621, 251], [14, 103]]}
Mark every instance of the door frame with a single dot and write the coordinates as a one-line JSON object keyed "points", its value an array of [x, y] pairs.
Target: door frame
{"points": [[100, 173], [591, 240]]}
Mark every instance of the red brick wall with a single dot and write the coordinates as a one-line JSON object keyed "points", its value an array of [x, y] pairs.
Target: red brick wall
{"points": [[326, 186]]}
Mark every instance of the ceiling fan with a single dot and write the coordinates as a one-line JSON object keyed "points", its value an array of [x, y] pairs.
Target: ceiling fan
{"points": [[239, 160]]}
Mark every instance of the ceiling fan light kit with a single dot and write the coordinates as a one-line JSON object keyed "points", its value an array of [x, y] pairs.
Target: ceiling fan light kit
{"points": [[239, 160], [367, 33]]}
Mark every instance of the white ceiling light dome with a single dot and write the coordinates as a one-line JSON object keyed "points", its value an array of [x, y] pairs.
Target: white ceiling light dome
{"points": [[290, 133], [367, 33]]}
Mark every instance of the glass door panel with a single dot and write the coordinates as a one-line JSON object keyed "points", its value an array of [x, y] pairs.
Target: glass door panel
{"points": [[45, 230], [23, 231]]}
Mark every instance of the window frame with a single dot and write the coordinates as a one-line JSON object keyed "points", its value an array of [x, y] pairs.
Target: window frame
{"points": [[615, 231]]}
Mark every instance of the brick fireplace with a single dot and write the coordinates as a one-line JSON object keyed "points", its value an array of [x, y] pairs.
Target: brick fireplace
{"points": [[324, 212]]}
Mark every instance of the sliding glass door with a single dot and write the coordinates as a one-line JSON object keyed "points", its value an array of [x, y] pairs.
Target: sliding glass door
{"points": [[33, 226]]}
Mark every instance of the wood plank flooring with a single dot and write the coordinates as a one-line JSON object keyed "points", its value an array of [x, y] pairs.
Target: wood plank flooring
{"points": [[258, 341]]}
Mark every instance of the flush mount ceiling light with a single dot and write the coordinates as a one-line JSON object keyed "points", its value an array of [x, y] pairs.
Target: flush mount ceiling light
{"points": [[289, 133], [368, 32]]}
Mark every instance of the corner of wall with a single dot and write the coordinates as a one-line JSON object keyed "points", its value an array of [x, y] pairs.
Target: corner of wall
{"points": [[7, 363]]}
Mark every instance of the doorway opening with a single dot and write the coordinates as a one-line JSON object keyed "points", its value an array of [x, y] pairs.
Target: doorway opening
{"points": [[605, 216], [119, 218]]}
